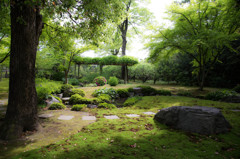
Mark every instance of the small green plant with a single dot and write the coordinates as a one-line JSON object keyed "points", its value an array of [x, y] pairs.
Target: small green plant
{"points": [[104, 98], [113, 81], [66, 90], [219, 95], [78, 99], [57, 98], [78, 91], [130, 90], [78, 107], [123, 93], [163, 92], [106, 106], [109, 91], [131, 101], [147, 90], [184, 93], [91, 85], [56, 106], [100, 81], [42, 94], [237, 88]]}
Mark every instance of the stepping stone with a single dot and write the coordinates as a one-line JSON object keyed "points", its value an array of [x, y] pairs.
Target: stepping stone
{"points": [[65, 117], [65, 100], [44, 116], [235, 110], [111, 117], [89, 118], [132, 115], [149, 113]]}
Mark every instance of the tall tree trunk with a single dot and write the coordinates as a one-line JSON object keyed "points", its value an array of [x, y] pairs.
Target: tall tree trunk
{"points": [[78, 70], [26, 27], [101, 69]]}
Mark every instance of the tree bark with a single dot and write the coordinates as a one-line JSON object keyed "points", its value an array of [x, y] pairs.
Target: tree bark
{"points": [[78, 70], [26, 27]]}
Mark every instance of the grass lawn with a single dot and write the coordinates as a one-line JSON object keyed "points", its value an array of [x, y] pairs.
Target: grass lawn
{"points": [[140, 137]]}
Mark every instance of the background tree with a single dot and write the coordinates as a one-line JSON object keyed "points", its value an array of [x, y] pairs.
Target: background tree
{"points": [[201, 29], [144, 71]]}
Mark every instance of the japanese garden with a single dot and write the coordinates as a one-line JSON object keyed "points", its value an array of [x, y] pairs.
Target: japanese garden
{"points": [[120, 79]]}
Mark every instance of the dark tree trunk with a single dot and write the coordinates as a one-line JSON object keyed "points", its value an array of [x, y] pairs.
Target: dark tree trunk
{"points": [[101, 69], [26, 27], [78, 70]]}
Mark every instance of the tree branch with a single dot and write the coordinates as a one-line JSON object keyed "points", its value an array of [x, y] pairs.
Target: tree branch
{"points": [[6, 56]]}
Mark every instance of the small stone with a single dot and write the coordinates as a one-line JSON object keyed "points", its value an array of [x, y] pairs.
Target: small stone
{"points": [[132, 115], [89, 118], [91, 106], [44, 116], [149, 113], [65, 117], [111, 117]]}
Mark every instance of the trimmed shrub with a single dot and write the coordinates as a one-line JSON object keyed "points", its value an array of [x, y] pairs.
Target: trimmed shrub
{"points": [[56, 106], [78, 91], [219, 95], [73, 81], [66, 90], [78, 99], [113, 81], [123, 93], [237, 88], [78, 107], [131, 101], [100, 81], [130, 90], [106, 106], [163, 92], [109, 91], [184, 93], [104, 98], [148, 91], [42, 94]]}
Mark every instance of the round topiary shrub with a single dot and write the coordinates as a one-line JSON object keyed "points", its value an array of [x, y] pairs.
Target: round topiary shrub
{"points": [[100, 81], [106, 106], [104, 98], [78, 107], [78, 99], [66, 90], [56, 106], [78, 91], [113, 81]]}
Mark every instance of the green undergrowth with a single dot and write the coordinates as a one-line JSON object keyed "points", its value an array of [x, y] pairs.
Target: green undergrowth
{"points": [[143, 137]]}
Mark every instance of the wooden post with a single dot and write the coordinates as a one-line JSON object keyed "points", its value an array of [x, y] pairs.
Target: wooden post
{"points": [[75, 70]]}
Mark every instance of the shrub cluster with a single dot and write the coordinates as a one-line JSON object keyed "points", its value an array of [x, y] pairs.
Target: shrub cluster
{"points": [[78, 107], [109, 91], [100, 81], [56, 106], [163, 92], [104, 98], [77, 91], [131, 101], [123, 93], [78, 99], [219, 95], [113, 81], [66, 90], [147, 90], [237, 88], [184, 93], [73, 81], [106, 106]]}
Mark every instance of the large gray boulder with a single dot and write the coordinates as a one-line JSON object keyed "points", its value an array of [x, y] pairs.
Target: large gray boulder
{"points": [[196, 119]]}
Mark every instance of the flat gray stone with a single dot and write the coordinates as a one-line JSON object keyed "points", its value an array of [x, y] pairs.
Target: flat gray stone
{"points": [[65, 117], [89, 118], [149, 113], [111, 117], [132, 115], [65, 99], [235, 110], [44, 116]]}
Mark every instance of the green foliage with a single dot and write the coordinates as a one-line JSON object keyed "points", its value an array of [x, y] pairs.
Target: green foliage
{"points": [[109, 71], [184, 93], [88, 77], [147, 90], [219, 95], [57, 98], [163, 92], [109, 91], [73, 81], [113, 81], [100, 81], [237, 88], [66, 90], [42, 94], [78, 91], [57, 76], [130, 89], [107, 106], [78, 99], [143, 71], [56, 106], [104, 98], [131, 101], [123, 93], [78, 107]]}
